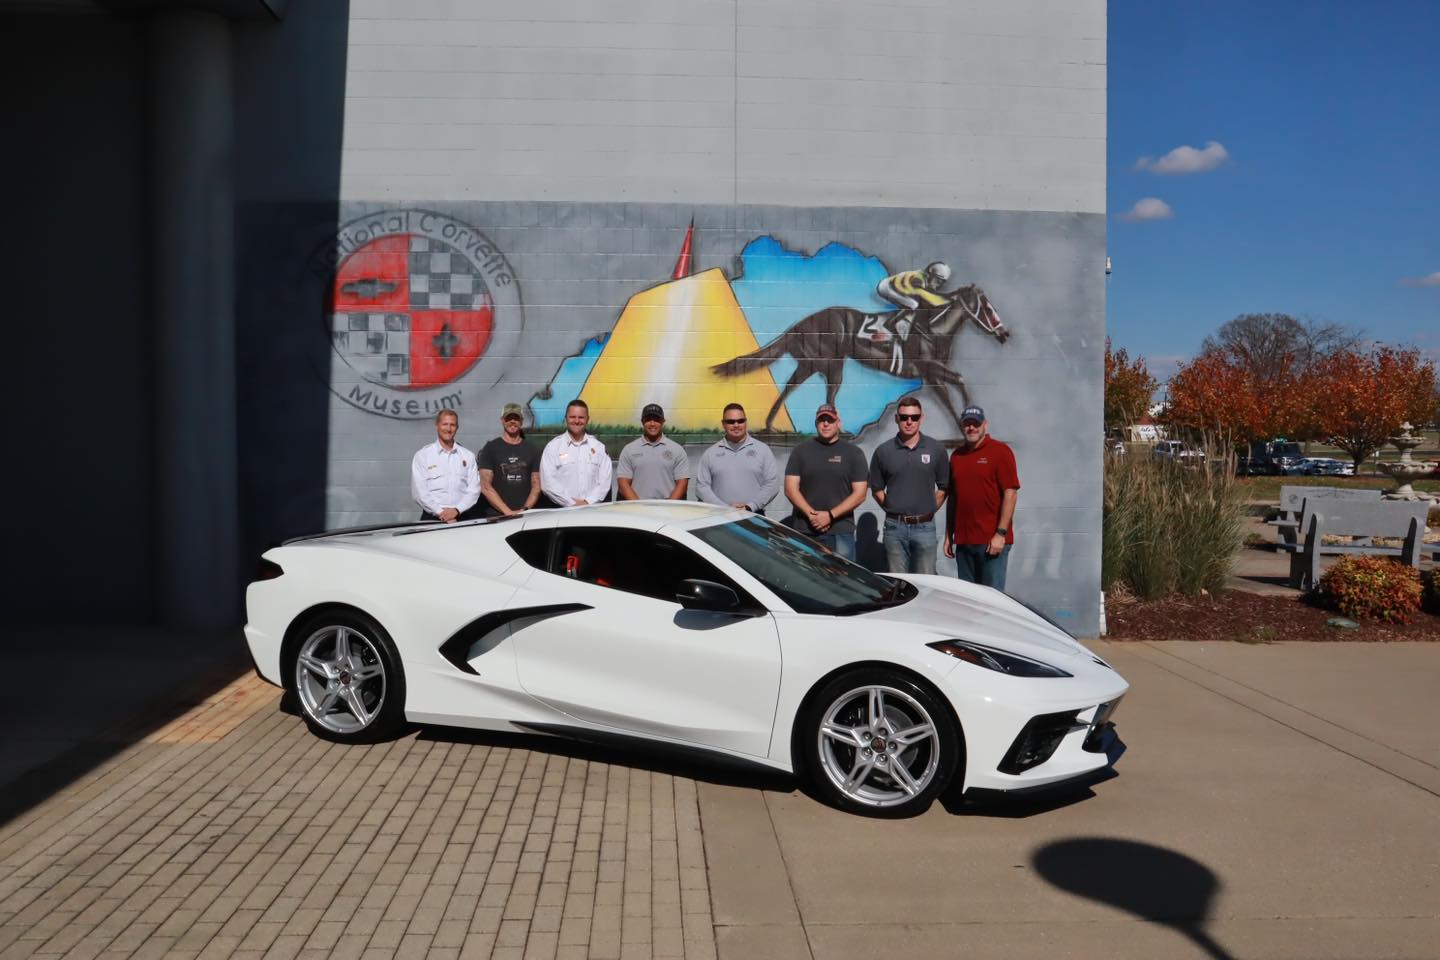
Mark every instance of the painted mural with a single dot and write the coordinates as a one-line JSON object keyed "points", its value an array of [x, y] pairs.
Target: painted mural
{"points": [[779, 308], [693, 343]]}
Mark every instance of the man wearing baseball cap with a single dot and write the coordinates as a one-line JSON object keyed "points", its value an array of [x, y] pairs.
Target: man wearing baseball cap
{"points": [[983, 488], [509, 467], [652, 466], [826, 479]]}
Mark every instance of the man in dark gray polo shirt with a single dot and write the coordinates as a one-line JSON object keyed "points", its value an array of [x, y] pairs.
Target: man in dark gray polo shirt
{"points": [[825, 480], [909, 475], [653, 467]]}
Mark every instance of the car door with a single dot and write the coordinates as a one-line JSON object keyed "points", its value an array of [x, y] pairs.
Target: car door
{"points": [[631, 658]]}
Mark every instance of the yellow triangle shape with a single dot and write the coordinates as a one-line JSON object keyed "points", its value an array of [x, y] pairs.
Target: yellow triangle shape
{"points": [[661, 351]]}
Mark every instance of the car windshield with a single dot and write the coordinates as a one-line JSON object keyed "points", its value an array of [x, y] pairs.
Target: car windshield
{"points": [[801, 572], [1287, 450]]}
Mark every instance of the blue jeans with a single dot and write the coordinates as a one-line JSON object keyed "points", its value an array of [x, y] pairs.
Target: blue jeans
{"points": [[910, 547], [842, 544], [974, 564]]}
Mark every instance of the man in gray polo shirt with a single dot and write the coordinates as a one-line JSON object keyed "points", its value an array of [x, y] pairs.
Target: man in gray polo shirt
{"points": [[653, 467], [909, 475], [738, 471]]}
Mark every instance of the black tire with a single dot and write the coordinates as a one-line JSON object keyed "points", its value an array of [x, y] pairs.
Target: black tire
{"points": [[336, 692], [844, 704]]}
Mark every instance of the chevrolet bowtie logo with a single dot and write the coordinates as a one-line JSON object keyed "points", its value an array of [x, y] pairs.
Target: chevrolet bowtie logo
{"points": [[369, 288]]}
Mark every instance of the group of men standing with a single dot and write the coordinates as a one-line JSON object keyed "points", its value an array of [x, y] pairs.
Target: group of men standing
{"points": [[826, 480]]}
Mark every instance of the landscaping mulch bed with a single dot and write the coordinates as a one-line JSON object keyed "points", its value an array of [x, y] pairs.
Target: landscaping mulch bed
{"points": [[1248, 618]]}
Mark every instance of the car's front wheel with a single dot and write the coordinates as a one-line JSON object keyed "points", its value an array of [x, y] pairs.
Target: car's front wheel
{"points": [[876, 742], [347, 678]]}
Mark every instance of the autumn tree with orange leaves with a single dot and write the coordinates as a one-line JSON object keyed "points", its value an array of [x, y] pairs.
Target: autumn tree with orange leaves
{"points": [[1221, 395], [1128, 387], [1361, 398]]}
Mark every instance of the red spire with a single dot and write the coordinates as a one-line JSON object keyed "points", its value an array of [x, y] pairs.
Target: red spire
{"points": [[682, 266]]}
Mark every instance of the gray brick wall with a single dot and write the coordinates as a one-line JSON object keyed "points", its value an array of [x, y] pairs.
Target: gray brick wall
{"points": [[963, 105]]}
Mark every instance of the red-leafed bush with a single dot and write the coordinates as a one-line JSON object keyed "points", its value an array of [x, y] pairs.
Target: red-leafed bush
{"points": [[1371, 588]]}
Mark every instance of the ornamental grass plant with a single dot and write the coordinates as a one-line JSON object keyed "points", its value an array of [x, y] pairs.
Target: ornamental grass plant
{"points": [[1170, 529]]}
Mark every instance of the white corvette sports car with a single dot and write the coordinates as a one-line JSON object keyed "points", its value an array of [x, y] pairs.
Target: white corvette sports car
{"points": [[689, 625]]}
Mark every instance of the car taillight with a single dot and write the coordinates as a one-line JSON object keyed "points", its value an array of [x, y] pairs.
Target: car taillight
{"points": [[267, 570]]}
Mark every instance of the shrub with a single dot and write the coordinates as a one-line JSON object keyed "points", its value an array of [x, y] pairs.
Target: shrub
{"points": [[1169, 529], [1430, 592], [1371, 588]]}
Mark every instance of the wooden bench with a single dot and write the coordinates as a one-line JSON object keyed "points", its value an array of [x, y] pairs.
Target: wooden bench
{"points": [[1399, 519], [1292, 506]]}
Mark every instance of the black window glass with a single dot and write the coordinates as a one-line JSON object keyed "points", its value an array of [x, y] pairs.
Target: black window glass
{"points": [[800, 571], [635, 561], [533, 547]]}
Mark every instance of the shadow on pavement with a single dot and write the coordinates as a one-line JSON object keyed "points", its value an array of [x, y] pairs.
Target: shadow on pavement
{"points": [[1153, 883], [676, 762], [77, 696]]}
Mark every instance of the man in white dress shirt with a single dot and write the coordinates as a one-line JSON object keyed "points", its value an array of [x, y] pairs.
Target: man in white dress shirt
{"points": [[574, 468], [444, 479]]}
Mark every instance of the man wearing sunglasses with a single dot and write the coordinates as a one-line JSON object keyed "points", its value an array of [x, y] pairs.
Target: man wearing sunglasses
{"points": [[509, 467], [737, 471], [909, 476], [983, 488], [825, 480]]}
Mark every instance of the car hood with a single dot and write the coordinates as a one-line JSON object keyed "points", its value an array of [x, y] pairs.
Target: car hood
{"points": [[951, 609]]}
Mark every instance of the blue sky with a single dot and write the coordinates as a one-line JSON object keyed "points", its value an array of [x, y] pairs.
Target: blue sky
{"points": [[1323, 197]]}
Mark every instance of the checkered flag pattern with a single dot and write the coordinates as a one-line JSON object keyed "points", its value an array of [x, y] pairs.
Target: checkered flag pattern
{"points": [[441, 279], [377, 345]]}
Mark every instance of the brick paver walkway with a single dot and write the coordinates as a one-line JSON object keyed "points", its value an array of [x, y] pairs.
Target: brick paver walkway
{"points": [[234, 832]]}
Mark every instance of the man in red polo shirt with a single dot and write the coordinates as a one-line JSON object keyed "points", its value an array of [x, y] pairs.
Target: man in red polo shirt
{"points": [[983, 488]]}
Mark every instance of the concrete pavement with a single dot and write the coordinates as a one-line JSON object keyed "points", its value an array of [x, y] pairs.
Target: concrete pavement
{"points": [[1277, 801]]}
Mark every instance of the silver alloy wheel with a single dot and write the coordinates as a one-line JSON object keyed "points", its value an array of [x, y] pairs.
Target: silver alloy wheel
{"points": [[340, 679], [878, 746]]}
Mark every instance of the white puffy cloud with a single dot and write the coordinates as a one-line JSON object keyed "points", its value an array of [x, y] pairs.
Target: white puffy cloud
{"points": [[1186, 159], [1430, 280], [1150, 208]]}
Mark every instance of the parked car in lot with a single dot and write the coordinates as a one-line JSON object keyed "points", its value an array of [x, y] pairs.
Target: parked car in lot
{"points": [[1326, 467], [1176, 452], [1269, 458], [698, 628]]}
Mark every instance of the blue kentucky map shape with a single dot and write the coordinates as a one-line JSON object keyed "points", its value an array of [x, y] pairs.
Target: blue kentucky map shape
{"points": [[780, 287]]}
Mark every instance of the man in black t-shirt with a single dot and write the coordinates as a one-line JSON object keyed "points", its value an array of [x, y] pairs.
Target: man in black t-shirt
{"points": [[826, 479], [509, 467]]}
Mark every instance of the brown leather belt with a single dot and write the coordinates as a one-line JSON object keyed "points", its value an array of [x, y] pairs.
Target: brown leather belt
{"points": [[911, 517]]}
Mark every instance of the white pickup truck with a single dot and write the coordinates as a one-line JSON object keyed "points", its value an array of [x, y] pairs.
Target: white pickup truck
{"points": [[1176, 451]]}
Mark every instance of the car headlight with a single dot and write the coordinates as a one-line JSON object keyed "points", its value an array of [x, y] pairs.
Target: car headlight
{"points": [[997, 660]]}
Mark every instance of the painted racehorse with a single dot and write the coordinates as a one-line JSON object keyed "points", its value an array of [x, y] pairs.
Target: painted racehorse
{"points": [[822, 342]]}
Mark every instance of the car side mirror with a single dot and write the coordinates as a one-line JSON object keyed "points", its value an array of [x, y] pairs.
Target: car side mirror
{"points": [[706, 595]]}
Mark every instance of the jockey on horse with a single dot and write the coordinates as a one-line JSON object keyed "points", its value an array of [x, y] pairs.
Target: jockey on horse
{"points": [[906, 290]]}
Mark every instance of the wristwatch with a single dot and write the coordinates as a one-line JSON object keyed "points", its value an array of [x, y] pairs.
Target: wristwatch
{"points": [[1001, 531]]}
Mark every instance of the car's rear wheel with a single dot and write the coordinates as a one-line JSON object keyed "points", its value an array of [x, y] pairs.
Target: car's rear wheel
{"points": [[347, 678], [876, 742]]}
